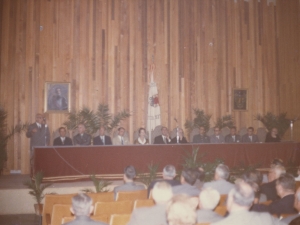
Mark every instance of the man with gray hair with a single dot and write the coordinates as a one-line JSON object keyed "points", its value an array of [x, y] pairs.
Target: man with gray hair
{"points": [[220, 183], [82, 208], [169, 173], [208, 200], [162, 194], [295, 219], [240, 199]]}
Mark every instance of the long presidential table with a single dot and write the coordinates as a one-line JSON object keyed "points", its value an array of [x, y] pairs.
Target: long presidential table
{"points": [[109, 161]]}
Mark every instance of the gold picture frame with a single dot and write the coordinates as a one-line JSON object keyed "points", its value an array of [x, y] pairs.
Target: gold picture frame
{"points": [[57, 97], [240, 99]]}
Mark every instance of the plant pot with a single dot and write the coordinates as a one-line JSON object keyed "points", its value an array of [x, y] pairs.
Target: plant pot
{"points": [[38, 208]]}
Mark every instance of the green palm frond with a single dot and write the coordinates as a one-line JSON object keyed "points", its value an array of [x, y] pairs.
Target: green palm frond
{"points": [[147, 178], [104, 115], [225, 121], [117, 119], [100, 185], [201, 120]]}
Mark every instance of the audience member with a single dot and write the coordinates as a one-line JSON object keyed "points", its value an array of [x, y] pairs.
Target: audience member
{"points": [[162, 194], [201, 137], [200, 173], [169, 173], [217, 137], [250, 137], [269, 189], [82, 208], [187, 179], [82, 138], [254, 179], [141, 140], [208, 200], [181, 211], [179, 139], [233, 137], [285, 186], [240, 199], [272, 136], [220, 183], [121, 139], [129, 175], [164, 138], [294, 219], [62, 140], [102, 139]]}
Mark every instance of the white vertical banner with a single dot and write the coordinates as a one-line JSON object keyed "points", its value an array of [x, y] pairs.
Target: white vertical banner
{"points": [[153, 118]]}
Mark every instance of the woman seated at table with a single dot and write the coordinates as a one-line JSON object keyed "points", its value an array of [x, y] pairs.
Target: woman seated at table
{"points": [[273, 136], [141, 140]]}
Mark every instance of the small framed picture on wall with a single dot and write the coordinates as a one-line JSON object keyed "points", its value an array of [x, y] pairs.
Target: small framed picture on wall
{"points": [[240, 99], [57, 97]]}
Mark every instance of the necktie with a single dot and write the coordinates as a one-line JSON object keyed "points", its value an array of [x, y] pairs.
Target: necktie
{"points": [[103, 140], [165, 140], [233, 137], [122, 141], [250, 138]]}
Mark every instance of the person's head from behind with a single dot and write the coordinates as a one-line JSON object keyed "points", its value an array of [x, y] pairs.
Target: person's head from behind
{"points": [[181, 211], [240, 197], [222, 172], [276, 162], [233, 131], [81, 128], [169, 172], [62, 131], [253, 178], [162, 192], [82, 205], [188, 176], [209, 198], [121, 131], [201, 130], [142, 132], [129, 173], [285, 185], [200, 173], [250, 131]]}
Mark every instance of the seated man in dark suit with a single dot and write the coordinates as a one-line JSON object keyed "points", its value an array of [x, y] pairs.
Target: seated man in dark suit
{"points": [[294, 219], [179, 139], [82, 207], [129, 175], [217, 137], [162, 194], [82, 138], [164, 138], [232, 137], [201, 137], [285, 186], [169, 173], [187, 179], [62, 140], [269, 189], [239, 201], [250, 137], [208, 200], [102, 139]]}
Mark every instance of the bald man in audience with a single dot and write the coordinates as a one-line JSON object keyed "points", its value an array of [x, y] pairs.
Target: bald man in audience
{"points": [[294, 219], [220, 183], [169, 173], [239, 201], [162, 194], [285, 186], [82, 208], [187, 179], [208, 200]]}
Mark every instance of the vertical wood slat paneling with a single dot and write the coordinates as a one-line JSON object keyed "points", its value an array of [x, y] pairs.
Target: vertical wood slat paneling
{"points": [[201, 49]]}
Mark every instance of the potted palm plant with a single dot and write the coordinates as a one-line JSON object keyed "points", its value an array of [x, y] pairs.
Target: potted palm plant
{"points": [[37, 191]]}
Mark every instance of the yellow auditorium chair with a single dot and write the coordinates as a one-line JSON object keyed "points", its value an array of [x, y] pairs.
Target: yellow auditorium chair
{"points": [[221, 210], [109, 208], [102, 218], [59, 212], [119, 219], [143, 203], [132, 195]]}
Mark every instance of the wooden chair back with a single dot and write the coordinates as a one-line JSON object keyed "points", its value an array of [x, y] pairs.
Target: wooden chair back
{"points": [[102, 197], [131, 195], [223, 199], [203, 224], [102, 218], [143, 203], [266, 202], [52, 199], [59, 212], [282, 216], [221, 210], [119, 219], [109, 208], [297, 185]]}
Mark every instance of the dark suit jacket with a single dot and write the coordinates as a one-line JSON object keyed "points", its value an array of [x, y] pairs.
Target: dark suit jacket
{"points": [[269, 138], [130, 186], [201, 139], [183, 141], [284, 205], [98, 141], [80, 220], [57, 142], [159, 140], [269, 189], [171, 182], [229, 139], [84, 140], [186, 189], [39, 138], [246, 138]]}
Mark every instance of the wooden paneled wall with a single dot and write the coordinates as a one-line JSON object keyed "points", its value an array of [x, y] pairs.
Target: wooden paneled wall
{"points": [[202, 49]]}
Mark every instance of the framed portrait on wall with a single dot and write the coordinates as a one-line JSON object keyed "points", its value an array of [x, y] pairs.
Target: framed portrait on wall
{"points": [[240, 99], [57, 97]]}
